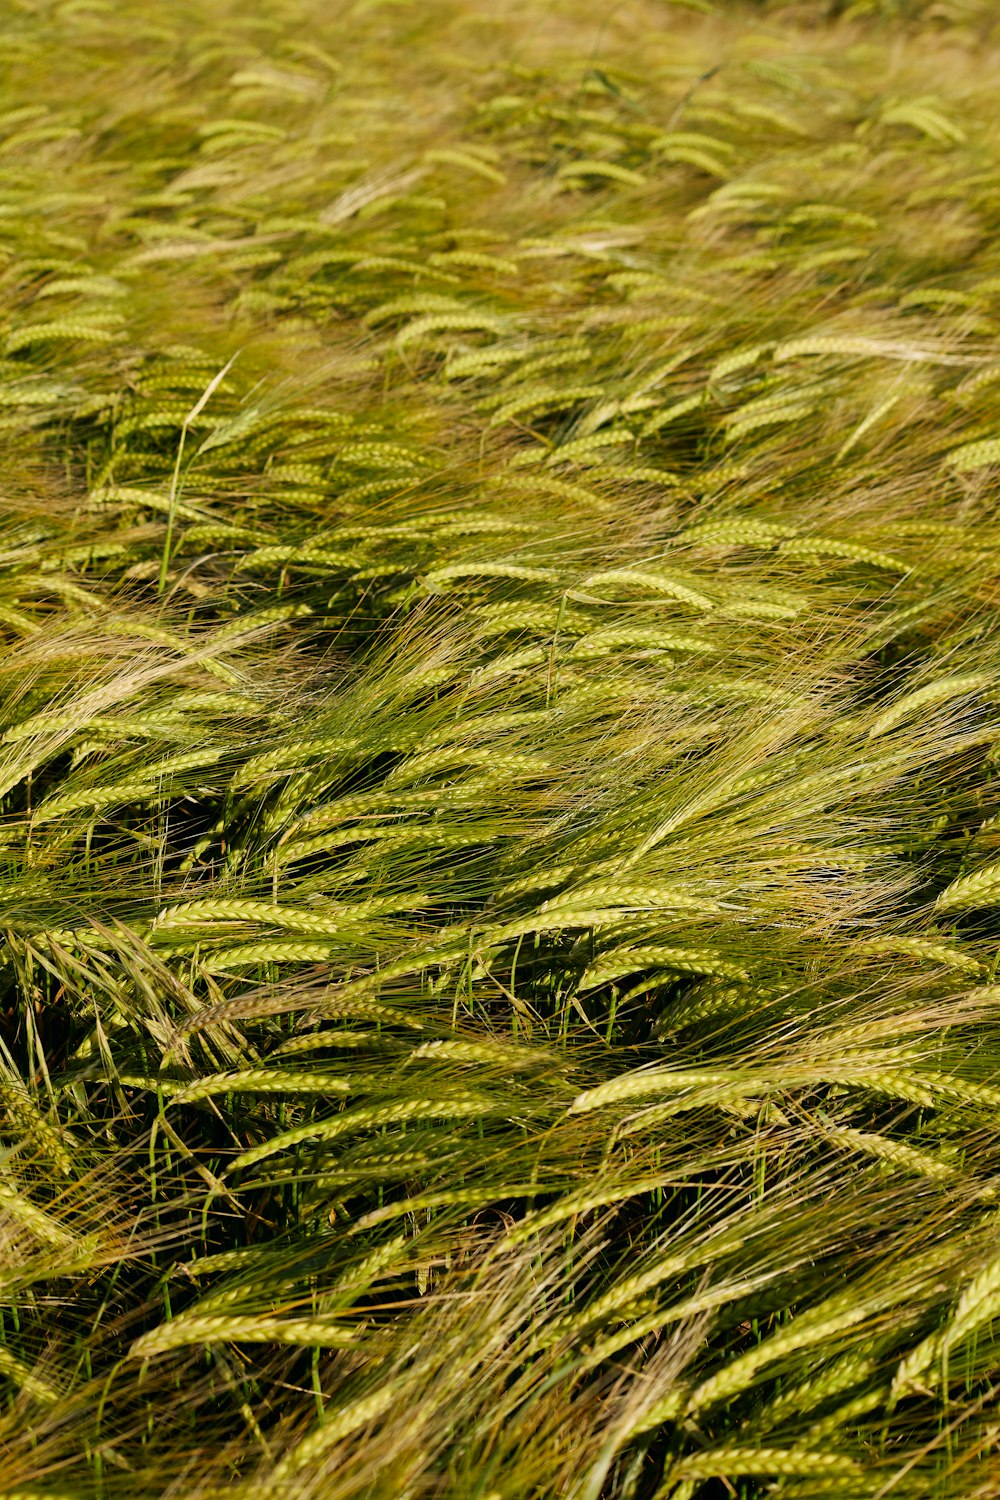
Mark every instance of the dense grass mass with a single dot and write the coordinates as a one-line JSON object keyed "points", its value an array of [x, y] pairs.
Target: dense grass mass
{"points": [[499, 740]]}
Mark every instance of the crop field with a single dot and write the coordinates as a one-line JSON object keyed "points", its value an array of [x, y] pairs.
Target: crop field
{"points": [[499, 750]]}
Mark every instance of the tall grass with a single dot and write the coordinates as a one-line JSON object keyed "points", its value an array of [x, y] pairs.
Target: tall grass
{"points": [[500, 705]]}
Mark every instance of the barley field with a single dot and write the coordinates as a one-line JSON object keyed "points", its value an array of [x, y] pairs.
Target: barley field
{"points": [[499, 750]]}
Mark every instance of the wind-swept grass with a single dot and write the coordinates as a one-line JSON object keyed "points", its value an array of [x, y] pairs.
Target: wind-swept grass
{"points": [[499, 724]]}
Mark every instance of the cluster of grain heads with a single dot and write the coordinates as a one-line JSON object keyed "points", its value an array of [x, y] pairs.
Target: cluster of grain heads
{"points": [[499, 712]]}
